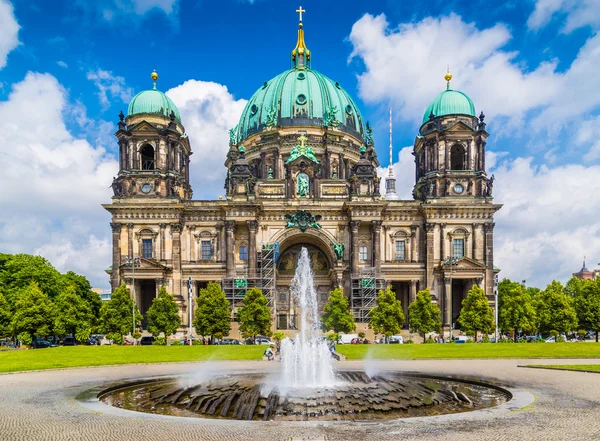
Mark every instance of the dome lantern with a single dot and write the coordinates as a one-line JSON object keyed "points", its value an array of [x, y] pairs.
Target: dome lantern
{"points": [[449, 102], [153, 102]]}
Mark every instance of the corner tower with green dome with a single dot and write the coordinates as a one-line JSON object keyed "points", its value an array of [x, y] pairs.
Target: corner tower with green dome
{"points": [[154, 151], [302, 103], [450, 150]]}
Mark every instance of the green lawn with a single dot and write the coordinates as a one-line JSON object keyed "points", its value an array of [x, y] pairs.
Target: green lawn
{"points": [[569, 367], [61, 357], [485, 350]]}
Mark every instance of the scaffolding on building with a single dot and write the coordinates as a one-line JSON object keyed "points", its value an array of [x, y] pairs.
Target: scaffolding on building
{"points": [[236, 287], [364, 288]]}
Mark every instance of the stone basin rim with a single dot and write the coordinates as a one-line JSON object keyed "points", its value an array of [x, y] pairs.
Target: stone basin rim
{"points": [[517, 398]]}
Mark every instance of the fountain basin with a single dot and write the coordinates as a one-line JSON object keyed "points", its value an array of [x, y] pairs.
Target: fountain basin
{"points": [[356, 396]]}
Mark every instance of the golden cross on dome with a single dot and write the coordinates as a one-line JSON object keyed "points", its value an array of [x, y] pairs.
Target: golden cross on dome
{"points": [[302, 140], [300, 11]]}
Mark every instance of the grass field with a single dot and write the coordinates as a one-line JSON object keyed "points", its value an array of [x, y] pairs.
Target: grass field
{"points": [[61, 357], [487, 350], [569, 367]]}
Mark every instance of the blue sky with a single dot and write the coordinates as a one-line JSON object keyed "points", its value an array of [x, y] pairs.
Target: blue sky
{"points": [[68, 67]]}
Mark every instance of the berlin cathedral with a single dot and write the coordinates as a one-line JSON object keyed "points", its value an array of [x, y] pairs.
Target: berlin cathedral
{"points": [[302, 172]]}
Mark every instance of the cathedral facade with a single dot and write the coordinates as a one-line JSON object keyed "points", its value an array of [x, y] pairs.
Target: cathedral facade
{"points": [[301, 172]]}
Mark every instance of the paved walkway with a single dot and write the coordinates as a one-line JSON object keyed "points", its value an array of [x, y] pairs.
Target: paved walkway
{"points": [[42, 406]]}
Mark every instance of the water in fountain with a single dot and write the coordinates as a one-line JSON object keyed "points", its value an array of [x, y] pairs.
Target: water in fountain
{"points": [[306, 362]]}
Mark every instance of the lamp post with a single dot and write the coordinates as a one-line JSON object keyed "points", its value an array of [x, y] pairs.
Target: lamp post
{"points": [[450, 262], [133, 263], [496, 305]]}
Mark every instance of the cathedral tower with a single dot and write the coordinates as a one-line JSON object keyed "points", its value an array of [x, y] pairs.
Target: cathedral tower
{"points": [[450, 149], [154, 151]]}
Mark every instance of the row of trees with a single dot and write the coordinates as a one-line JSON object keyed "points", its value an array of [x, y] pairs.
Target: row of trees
{"points": [[556, 308]]}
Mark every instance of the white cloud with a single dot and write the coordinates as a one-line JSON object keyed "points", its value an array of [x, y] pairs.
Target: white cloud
{"points": [[406, 65], [53, 182], [9, 30], [143, 6], [109, 87], [404, 172], [208, 111], [578, 13], [550, 219], [112, 10], [62, 64]]}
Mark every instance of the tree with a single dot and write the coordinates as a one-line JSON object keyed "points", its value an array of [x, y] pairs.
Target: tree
{"points": [[34, 312], [83, 289], [387, 317], [163, 314], [587, 305], [555, 309], [337, 315], [254, 315], [515, 308], [213, 314], [476, 314], [19, 270], [73, 314], [424, 315], [116, 314], [5, 317]]}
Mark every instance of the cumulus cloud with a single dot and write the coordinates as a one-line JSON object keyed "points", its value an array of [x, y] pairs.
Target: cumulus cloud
{"points": [[9, 30], [576, 14], [62, 64], [109, 87], [208, 111], [53, 182], [406, 64], [404, 172], [550, 219]]}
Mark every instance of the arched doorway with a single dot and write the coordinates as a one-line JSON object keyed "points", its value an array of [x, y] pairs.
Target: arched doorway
{"points": [[286, 308]]}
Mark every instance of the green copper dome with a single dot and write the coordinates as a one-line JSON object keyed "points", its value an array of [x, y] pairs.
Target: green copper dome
{"points": [[450, 102], [300, 97], [154, 102]]}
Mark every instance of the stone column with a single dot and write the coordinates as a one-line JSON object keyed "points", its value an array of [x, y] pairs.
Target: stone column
{"points": [[252, 229], [447, 303], [355, 251], [342, 168], [413, 243], [413, 291], [162, 241], [130, 240], [116, 255], [176, 234], [220, 248], [276, 173], [263, 165], [192, 242], [442, 240], [429, 228], [489, 258], [376, 231], [230, 227]]}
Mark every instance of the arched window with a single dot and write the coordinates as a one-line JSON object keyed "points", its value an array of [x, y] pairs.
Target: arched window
{"points": [[147, 153], [457, 157]]}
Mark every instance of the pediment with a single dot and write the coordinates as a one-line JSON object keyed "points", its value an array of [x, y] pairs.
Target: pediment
{"points": [[466, 263], [146, 264], [143, 126], [459, 126]]}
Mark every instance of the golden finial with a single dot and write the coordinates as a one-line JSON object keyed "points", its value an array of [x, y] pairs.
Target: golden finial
{"points": [[154, 77], [448, 77], [300, 54], [300, 11]]}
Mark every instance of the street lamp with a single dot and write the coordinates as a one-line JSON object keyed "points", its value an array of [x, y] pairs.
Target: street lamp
{"points": [[496, 304], [133, 263], [450, 262]]}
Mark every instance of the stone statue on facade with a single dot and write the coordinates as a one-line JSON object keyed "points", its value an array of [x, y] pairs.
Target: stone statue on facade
{"points": [[376, 181], [117, 187]]}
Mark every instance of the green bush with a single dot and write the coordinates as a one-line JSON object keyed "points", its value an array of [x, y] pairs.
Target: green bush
{"points": [[333, 337], [485, 339], [560, 339], [553, 333], [581, 334], [196, 342], [25, 338], [410, 341], [177, 343], [116, 338], [470, 341], [361, 335], [137, 335], [159, 341], [506, 340], [429, 341]]}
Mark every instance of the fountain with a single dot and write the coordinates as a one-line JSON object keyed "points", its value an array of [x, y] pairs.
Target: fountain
{"points": [[306, 361], [308, 387]]}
